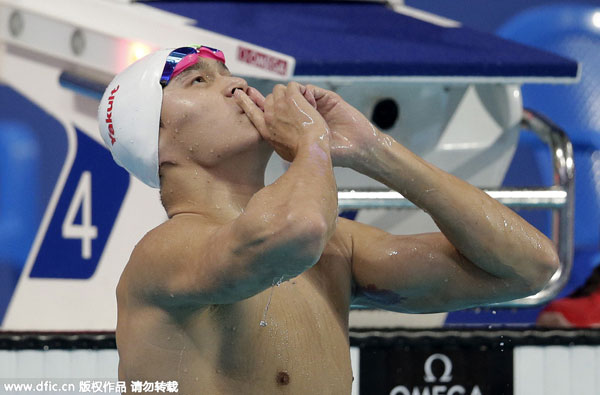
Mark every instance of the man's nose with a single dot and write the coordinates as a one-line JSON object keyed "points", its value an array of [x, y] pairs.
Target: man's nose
{"points": [[235, 83]]}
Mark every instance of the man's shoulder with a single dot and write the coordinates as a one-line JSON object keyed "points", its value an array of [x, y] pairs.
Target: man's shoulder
{"points": [[153, 242], [163, 251], [169, 238]]}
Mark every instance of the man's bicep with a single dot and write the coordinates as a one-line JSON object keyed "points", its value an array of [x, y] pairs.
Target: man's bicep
{"points": [[386, 269], [415, 274]]}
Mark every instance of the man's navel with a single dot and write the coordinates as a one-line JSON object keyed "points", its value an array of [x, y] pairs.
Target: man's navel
{"points": [[283, 378]]}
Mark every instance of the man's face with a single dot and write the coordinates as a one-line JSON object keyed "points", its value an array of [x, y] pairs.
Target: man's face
{"points": [[200, 118]]}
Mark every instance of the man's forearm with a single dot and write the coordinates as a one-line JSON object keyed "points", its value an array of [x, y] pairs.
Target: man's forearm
{"points": [[305, 193], [309, 183], [288, 223], [484, 231]]}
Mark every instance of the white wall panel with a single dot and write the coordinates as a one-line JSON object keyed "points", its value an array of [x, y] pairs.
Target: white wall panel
{"points": [[529, 371], [597, 373], [557, 370], [82, 363], [59, 364], [29, 364], [55, 362], [8, 364], [107, 363], [583, 370]]}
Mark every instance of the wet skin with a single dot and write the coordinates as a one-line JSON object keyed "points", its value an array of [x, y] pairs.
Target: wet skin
{"points": [[196, 289], [223, 349], [212, 163]]}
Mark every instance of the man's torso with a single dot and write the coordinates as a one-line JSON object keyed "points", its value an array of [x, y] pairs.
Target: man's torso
{"points": [[290, 338]]}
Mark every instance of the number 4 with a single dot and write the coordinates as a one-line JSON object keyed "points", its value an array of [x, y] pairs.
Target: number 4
{"points": [[84, 231]]}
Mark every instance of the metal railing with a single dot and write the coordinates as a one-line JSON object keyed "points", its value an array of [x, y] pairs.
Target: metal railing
{"points": [[559, 198]]}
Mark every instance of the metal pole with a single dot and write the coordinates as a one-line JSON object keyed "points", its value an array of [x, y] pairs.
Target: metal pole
{"points": [[532, 198], [563, 217]]}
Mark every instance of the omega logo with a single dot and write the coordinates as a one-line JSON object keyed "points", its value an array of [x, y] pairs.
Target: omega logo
{"points": [[436, 389], [446, 377]]}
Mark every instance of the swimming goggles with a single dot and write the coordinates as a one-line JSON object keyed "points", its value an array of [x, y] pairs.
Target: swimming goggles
{"points": [[182, 58]]}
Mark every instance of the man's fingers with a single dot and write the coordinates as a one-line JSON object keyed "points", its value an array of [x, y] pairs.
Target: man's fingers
{"points": [[317, 91], [324, 98], [322, 93], [296, 89], [257, 97], [309, 95], [279, 92], [251, 109], [269, 103]]}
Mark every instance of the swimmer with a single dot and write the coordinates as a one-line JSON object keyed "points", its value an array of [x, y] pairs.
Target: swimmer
{"points": [[247, 288]]}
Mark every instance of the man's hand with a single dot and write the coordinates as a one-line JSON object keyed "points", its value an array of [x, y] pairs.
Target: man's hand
{"points": [[290, 120], [285, 117], [353, 137]]}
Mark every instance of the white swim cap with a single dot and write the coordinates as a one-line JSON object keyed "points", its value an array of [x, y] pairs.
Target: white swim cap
{"points": [[129, 116], [129, 112]]}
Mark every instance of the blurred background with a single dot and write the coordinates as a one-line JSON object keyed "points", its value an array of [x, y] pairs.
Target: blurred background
{"points": [[34, 145], [453, 92], [557, 26]]}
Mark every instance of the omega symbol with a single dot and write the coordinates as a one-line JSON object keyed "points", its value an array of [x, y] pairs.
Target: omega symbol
{"points": [[434, 384], [446, 377]]}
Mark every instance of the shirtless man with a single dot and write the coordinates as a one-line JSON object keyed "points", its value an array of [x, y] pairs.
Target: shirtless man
{"points": [[246, 289]]}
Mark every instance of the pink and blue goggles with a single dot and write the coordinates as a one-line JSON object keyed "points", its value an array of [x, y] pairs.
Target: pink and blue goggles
{"points": [[184, 57]]}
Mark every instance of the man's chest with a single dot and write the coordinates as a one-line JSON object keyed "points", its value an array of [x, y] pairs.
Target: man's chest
{"points": [[295, 327]]}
